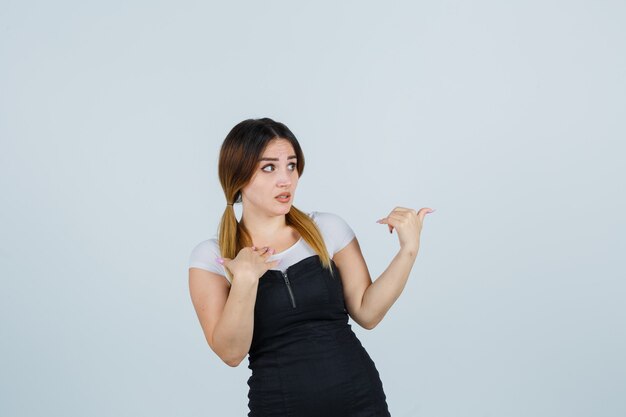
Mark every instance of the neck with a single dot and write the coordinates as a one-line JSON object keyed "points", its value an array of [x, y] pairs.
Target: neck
{"points": [[261, 227]]}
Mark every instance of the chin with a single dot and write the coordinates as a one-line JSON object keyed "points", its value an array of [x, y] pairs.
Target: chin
{"points": [[285, 208]]}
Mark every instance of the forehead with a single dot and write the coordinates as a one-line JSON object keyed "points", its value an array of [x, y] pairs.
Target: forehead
{"points": [[279, 148]]}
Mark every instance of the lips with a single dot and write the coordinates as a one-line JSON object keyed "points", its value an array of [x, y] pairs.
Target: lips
{"points": [[288, 195]]}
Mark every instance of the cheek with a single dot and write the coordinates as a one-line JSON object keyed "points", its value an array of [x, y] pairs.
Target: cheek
{"points": [[261, 186], [254, 187]]}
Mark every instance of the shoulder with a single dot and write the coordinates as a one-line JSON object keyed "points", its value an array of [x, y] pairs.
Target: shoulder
{"points": [[203, 256], [336, 231], [206, 246], [326, 219]]}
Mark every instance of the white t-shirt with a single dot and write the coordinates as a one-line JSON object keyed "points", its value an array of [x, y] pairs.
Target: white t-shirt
{"points": [[335, 232]]}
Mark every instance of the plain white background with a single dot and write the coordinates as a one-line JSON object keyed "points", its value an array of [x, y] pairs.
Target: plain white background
{"points": [[507, 118]]}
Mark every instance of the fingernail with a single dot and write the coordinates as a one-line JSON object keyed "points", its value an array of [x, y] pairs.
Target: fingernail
{"points": [[219, 261], [271, 251]]}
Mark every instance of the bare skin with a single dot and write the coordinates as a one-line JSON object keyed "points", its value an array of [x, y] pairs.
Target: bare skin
{"points": [[226, 313], [367, 302], [263, 215]]}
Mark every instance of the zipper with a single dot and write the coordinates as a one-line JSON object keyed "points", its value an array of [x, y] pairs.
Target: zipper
{"points": [[293, 300]]}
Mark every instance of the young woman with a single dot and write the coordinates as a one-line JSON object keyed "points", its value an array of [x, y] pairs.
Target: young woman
{"points": [[280, 284]]}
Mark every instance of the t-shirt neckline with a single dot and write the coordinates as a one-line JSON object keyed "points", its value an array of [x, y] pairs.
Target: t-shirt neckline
{"points": [[289, 248]]}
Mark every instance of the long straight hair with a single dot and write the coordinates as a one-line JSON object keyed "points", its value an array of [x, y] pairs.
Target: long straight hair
{"points": [[238, 160]]}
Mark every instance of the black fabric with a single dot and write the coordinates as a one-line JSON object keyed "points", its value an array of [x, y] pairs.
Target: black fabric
{"points": [[306, 360]]}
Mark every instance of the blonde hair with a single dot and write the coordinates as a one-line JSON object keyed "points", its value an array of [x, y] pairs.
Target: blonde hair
{"points": [[238, 160]]}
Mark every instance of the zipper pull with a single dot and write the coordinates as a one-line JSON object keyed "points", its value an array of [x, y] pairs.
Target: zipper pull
{"points": [[293, 300]]}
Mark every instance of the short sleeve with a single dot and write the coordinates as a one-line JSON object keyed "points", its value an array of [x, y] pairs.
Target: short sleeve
{"points": [[336, 231], [203, 257]]}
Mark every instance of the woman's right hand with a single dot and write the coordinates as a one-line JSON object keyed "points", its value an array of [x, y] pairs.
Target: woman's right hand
{"points": [[251, 262]]}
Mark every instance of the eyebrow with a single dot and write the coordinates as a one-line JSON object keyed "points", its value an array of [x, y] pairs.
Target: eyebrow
{"points": [[276, 159]]}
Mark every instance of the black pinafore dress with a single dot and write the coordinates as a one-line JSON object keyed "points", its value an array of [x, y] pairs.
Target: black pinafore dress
{"points": [[305, 358]]}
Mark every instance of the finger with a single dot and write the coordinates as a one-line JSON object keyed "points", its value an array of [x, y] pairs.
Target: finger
{"points": [[397, 216], [391, 219], [423, 212], [390, 222], [400, 218], [269, 252], [400, 213], [402, 209], [259, 250], [226, 263]]}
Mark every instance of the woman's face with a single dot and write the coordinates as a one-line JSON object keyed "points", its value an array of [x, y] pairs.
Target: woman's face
{"points": [[276, 174]]}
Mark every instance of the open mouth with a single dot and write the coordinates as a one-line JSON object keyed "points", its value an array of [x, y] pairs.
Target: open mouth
{"points": [[283, 198]]}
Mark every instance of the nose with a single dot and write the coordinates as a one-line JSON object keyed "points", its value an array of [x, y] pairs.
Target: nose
{"points": [[284, 181], [284, 178]]}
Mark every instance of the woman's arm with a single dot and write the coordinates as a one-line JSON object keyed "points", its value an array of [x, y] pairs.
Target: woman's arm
{"points": [[226, 315], [368, 302], [380, 296]]}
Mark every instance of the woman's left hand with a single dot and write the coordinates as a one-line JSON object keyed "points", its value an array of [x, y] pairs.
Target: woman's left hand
{"points": [[408, 223]]}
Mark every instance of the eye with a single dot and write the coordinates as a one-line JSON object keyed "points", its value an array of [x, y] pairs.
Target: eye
{"points": [[272, 165]]}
